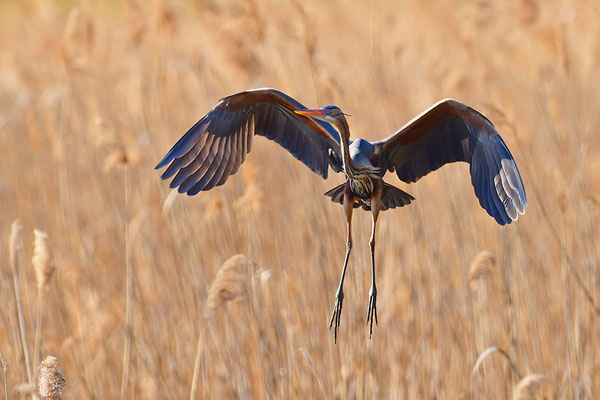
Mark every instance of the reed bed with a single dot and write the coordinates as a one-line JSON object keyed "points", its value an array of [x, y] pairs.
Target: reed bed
{"points": [[133, 301]]}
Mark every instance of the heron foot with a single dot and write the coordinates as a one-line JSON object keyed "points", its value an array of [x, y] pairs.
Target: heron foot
{"points": [[337, 312], [372, 312]]}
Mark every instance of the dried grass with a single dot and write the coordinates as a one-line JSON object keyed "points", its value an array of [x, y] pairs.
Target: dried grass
{"points": [[44, 268], [92, 91]]}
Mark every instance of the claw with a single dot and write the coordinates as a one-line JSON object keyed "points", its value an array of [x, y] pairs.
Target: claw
{"points": [[337, 312], [372, 311]]}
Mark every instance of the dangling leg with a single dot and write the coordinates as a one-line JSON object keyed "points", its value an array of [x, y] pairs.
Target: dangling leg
{"points": [[372, 312], [339, 296]]}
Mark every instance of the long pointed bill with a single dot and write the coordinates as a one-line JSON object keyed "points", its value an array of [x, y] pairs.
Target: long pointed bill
{"points": [[315, 113]]}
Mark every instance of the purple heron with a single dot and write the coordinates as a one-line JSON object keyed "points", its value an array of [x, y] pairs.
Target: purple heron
{"points": [[449, 131]]}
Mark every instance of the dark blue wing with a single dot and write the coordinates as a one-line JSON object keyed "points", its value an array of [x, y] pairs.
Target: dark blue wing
{"points": [[451, 131], [215, 147]]}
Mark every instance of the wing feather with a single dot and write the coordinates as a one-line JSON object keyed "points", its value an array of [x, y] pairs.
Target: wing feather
{"points": [[448, 132], [216, 146]]}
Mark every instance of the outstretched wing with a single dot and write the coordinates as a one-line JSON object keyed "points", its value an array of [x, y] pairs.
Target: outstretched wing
{"points": [[450, 131], [217, 145]]}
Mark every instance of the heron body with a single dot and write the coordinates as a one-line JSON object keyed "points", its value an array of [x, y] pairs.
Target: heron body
{"points": [[449, 131]]}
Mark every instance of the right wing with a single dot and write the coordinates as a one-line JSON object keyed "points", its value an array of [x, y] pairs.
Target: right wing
{"points": [[450, 131]]}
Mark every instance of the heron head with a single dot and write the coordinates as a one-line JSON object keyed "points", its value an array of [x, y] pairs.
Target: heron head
{"points": [[331, 114]]}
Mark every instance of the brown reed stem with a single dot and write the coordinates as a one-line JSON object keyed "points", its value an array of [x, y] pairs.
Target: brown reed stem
{"points": [[508, 279], [15, 245], [128, 290], [199, 351], [38, 327], [5, 370], [569, 264]]}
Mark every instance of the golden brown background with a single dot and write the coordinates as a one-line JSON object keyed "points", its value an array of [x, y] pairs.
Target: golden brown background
{"points": [[93, 93]]}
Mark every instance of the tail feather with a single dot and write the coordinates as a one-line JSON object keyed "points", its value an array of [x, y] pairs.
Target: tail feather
{"points": [[337, 195], [391, 197]]}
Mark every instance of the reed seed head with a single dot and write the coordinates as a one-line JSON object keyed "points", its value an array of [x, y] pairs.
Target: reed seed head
{"points": [[482, 266], [42, 259], [231, 282], [51, 381], [116, 158], [15, 242]]}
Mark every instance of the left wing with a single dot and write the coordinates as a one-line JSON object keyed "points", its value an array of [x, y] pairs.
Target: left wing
{"points": [[215, 147], [450, 131]]}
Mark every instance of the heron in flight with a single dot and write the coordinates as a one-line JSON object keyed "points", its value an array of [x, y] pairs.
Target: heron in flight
{"points": [[449, 131]]}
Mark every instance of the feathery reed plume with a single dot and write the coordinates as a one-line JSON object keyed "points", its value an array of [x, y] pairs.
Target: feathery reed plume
{"points": [[15, 243], [164, 16], [79, 37], [481, 267], [169, 201], [51, 381], [136, 22], [44, 268], [115, 158], [15, 246], [528, 386], [5, 370], [213, 210], [42, 259], [230, 284]]}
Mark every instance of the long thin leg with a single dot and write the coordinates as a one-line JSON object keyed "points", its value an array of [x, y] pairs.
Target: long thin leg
{"points": [[372, 311], [339, 296]]}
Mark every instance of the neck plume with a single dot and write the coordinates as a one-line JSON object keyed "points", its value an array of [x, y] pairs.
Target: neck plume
{"points": [[349, 167]]}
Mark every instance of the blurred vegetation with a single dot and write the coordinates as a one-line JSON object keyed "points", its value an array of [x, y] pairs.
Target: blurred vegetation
{"points": [[93, 93]]}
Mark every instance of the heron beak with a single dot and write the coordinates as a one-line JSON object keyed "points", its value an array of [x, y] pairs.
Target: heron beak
{"points": [[318, 113]]}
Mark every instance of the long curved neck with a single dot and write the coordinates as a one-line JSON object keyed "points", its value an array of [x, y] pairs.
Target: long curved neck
{"points": [[349, 167]]}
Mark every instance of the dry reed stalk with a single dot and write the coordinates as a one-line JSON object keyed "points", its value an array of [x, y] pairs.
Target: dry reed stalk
{"points": [[528, 386], [480, 270], [51, 381], [509, 296], [15, 245], [306, 355], [230, 284], [491, 350], [569, 263], [571, 353], [5, 370], [128, 287], [199, 351], [44, 268]]}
